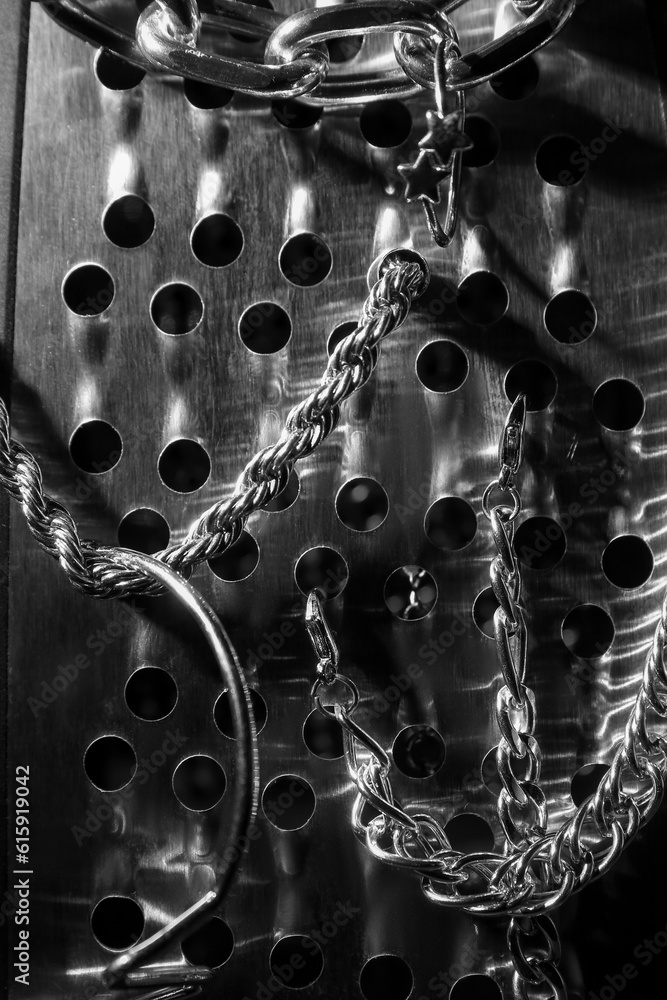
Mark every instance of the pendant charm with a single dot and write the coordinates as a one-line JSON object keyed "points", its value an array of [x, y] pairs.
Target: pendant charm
{"points": [[445, 135], [440, 152]]}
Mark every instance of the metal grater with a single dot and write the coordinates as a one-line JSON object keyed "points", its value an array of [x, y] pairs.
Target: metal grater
{"points": [[132, 367]]}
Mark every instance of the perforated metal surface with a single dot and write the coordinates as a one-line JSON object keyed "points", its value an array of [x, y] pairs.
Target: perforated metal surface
{"points": [[86, 145]]}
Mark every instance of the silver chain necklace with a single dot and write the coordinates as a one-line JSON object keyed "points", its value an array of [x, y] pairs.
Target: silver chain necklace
{"points": [[538, 870]]}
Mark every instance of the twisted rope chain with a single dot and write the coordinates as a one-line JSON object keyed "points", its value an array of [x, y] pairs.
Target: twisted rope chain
{"points": [[404, 276]]}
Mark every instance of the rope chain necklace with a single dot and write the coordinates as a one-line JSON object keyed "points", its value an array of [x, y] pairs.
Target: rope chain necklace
{"points": [[539, 869]]}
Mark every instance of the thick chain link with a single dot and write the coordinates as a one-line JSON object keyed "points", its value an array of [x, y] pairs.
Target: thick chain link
{"points": [[534, 945], [404, 276], [296, 62]]}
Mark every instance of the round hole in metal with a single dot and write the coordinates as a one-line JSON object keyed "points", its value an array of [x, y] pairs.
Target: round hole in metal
{"points": [[570, 317], [222, 713], [296, 961], [177, 309], [469, 832], [475, 987], [265, 328], [144, 530], [184, 465], [490, 775], [588, 631], [518, 82], [482, 298], [628, 562], [110, 763], [96, 447], [117, 922], [386, 977], [410, 593], [88, 289], [442, 366], [536, 380], [288, 802], [211, 945], [151, 693], [128, 222], [560, 162], [287, 496], [323, 736], [385, 124], [450, 524], [540, 543], [419, 751], [618, 404], [585, 782], [116, 73], [322, 569], [362, 504], [484, 608], [206, 96], [294, 114], [217, 240], [199, 783], [486, 142], [339, 333], [305, 259], [238, 562]]}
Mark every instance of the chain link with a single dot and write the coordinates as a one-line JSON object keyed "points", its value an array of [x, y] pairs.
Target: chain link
{"points": [[539, 870], [295, 61], [522, 804], [535, 948], [546, 868]]}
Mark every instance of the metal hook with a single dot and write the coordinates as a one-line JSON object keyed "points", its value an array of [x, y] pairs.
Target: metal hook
{"points": [[512, 442], [322, 639]]}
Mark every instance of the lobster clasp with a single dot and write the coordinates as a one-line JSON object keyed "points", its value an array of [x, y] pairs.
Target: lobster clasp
{"points": [[321, 639], [512, 443]]}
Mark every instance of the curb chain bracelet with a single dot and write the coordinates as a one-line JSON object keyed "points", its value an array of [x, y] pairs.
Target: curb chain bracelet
{"points": [[541, 866]]}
